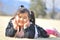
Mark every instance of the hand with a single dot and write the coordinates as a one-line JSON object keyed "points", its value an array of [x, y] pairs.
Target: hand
{"points": [[20, 33], [26, 24], [15, 26]]}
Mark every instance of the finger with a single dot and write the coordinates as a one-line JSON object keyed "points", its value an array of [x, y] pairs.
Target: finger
{"points": [[27, 24]]}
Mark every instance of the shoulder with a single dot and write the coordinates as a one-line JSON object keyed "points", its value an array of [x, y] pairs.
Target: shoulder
{"points": [[10, 22], [38, 27]]}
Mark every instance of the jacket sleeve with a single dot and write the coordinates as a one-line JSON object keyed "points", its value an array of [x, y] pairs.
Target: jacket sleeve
{"points": [[43, 33], [10, 31]]}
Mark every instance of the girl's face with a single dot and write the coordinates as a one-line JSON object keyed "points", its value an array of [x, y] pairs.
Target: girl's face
{"points": [[22, 18]]}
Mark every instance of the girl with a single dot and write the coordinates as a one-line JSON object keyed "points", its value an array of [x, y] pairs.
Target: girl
{"points": [[52, 32], [22, 25]]}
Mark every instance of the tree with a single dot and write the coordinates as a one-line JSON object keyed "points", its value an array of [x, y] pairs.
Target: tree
{"points": [[38, 6], [53, 13]]}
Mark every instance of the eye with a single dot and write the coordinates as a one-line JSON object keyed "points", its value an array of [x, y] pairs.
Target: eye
{"points": [[19, 16]]}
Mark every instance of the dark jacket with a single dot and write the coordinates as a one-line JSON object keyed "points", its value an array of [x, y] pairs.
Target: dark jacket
{"points": [[28, 32]]}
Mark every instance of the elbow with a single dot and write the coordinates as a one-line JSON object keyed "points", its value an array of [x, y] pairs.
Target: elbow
{"points": [[8, 33]]}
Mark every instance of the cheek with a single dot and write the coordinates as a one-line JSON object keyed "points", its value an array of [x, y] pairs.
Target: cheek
{"points": [[25, 21], [17, 18]]}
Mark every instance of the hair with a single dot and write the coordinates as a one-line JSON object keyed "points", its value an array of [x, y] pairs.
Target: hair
{"points": [[22, 9], [32, 17]]}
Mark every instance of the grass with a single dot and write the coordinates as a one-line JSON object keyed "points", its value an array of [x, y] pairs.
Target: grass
{"points": [[41, 22]]}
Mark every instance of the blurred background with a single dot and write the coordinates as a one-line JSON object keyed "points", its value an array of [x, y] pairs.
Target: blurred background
{"points": [[47, 14], [49, 9]]}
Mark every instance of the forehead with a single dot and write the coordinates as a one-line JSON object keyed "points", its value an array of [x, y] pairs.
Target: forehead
{"points": [[23, 14]]}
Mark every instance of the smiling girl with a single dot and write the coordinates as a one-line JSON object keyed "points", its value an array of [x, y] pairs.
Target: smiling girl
{"points": [[22, 26]]}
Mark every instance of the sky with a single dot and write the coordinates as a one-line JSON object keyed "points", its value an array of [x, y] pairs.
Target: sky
{"points": [[10, 6]]}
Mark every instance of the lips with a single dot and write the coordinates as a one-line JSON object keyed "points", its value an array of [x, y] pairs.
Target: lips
{"points": [[21, 24]]}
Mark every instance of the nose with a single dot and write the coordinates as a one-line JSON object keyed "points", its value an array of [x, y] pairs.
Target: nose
{"points": [[21, 19]]}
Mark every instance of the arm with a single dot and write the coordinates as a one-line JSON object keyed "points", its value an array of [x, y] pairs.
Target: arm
{"points": [[42, 32], [30, 32], [10, 31]]}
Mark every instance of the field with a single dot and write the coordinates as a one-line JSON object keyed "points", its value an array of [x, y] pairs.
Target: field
{"points": [[45, 23]]}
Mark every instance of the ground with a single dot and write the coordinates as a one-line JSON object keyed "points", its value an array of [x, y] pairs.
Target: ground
{"points": [[45, 23]]}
